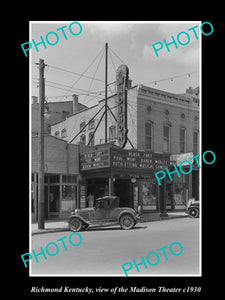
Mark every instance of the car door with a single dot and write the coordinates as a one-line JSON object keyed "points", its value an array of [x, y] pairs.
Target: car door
{"points": [[98, 214]]}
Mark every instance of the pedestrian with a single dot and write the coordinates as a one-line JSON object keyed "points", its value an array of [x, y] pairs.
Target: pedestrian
{"points": [[90, 199]]}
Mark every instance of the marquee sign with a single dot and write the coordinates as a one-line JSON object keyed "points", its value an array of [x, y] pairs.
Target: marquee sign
{"points": [[122, 83], [94, 160], [118, 158], [139, 160]]}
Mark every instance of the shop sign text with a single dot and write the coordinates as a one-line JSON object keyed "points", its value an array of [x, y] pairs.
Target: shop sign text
{"points": [[184, 163]]}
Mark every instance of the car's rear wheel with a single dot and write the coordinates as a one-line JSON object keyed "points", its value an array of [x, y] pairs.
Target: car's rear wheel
{"points": [[127, 221], [193, 212], [75, 224]]}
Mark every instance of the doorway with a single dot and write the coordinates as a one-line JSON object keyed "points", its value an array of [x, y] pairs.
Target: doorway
{"points": [[123, 189]]}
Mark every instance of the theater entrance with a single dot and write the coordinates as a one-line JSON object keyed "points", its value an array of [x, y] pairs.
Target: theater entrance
{"points": [[123, 189]]}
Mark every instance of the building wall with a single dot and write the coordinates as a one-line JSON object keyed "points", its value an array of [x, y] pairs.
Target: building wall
{"points": [[158, 107], [161, 108], [72, 123], [60, 158], [58, 111], [61, 162]]}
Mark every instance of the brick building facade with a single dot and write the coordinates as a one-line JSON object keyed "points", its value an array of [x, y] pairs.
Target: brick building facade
{"points": [[158, 122]]}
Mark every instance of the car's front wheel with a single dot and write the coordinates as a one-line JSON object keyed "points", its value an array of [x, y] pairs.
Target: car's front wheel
{"points": [[193, 212], [127, 221], [75, 224]]}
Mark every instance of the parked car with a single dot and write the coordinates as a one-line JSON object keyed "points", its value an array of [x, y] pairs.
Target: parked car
{"points": [[106, 211], [193, 209]]}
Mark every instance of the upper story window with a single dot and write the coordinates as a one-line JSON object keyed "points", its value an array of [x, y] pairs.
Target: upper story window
{"points": [[166, 138], [82, 125], [91, 124], [195, 141], [65, 114], [57, 133], [182, 140], [91, 140], [148, 135], [63, 133], [112, 133], [83, 139]]}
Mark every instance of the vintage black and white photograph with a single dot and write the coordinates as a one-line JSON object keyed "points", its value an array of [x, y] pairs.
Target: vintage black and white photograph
{"points": [[115, 148]]}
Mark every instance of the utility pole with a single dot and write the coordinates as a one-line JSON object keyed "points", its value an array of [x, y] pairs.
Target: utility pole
{"points": [[106, 105], [41, 207]]}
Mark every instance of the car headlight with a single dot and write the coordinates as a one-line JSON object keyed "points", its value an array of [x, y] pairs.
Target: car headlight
{"points": [[139, 210]]}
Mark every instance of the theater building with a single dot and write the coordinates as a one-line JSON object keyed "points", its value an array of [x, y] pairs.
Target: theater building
{"points": [[129, 174], [160, 124]]}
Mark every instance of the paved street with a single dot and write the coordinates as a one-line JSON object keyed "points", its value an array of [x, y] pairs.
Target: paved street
{"points": [[104, 250]]}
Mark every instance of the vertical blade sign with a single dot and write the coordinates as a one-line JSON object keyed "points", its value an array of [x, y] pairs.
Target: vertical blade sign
{"points": [[122, 84]]}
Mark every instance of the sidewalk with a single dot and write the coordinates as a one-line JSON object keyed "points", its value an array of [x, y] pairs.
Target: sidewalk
{"points": [[60, 226]]}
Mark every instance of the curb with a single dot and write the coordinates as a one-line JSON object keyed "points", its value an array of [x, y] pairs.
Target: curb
{"points": [[52, 230]]}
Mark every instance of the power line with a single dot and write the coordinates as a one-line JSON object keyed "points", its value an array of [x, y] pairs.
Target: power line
{"points": [[94, 74], [171, 78], [117, 56], [74, 73], [75, 90], [85, 70]]}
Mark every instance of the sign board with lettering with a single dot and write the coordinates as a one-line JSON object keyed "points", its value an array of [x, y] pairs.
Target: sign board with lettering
{"points": [[122, 84], [118, 158], [142, 160], [178, 158], [95, 160]]}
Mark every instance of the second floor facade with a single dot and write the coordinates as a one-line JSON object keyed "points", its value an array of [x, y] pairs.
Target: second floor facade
{"points": [[158, 121]]}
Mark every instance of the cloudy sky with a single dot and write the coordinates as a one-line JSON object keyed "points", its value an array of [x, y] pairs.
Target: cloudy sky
{"points": [[128, 42]]}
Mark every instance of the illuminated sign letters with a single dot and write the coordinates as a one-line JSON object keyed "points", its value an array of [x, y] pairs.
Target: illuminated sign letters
{"points": [[122, 83]]}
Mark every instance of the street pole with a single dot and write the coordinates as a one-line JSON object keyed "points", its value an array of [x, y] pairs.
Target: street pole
{"points": [[41, 224], [106, 105]]}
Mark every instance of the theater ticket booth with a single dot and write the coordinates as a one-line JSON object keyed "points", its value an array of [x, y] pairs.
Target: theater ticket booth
{"points": [[128, 174]]}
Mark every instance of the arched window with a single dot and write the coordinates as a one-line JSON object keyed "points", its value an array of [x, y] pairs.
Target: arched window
{"points": [[91, 139], [148, 135], [57, 133], [195, 141], [182, 140], [63, 133], [83, 139], [166, 138], [91, 124], [82, 125], [112, 133]]}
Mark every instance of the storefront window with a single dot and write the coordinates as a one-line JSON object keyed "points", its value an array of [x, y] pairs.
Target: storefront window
{"points": [[68, 192], [53, 178], [54, 199], [179, 196], [149, 193], [69, 178]]}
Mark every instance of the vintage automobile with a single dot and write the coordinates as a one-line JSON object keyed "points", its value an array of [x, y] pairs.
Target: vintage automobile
{"points": [[193, 209], [106, 211]]}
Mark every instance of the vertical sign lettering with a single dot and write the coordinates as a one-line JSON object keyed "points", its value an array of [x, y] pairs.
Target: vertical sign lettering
{"points": [[122, 83]]}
